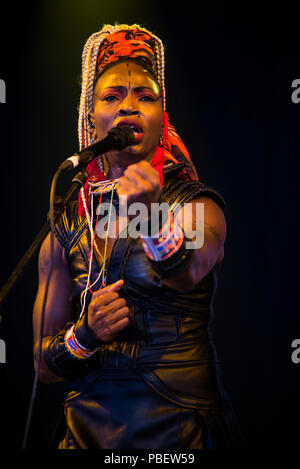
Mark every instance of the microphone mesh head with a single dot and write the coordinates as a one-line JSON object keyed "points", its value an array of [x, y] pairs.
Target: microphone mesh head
{"points": [[124, 135]]}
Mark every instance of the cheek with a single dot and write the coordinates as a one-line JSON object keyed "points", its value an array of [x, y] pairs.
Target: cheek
{"points": [[155, 122], [103, 120]]}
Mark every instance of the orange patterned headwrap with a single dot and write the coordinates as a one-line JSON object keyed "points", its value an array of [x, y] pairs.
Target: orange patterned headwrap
{"points": [[127, 43], [135, 42]]}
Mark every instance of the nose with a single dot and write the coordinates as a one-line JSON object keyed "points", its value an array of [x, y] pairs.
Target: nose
{"points": [[128, 112], [129, 107]]}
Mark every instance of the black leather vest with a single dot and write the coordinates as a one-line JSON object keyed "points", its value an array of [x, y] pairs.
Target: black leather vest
{"points": [[168, 341]]}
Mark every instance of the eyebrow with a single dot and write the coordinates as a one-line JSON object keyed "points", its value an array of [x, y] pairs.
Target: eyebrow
{"points": [[137, 88]]}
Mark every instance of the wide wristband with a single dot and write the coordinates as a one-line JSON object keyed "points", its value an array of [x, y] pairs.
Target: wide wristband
{"points": [[65, 364], [166, 251], [84, 336], [75, 348], [173, 265]]}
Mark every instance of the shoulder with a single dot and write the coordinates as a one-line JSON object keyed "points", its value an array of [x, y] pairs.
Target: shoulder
{"points": [[58, 259], [70, 225], [177, 190]]}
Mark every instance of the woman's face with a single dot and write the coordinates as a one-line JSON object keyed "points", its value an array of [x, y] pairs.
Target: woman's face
{"points": [[128, 94]]}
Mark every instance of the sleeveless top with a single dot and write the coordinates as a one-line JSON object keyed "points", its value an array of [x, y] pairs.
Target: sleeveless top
{"points": [[168, 340]]}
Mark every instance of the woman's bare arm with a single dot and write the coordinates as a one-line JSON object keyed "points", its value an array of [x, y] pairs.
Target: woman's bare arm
{"points": [[107, 313], [210, 253], [58, 309]]}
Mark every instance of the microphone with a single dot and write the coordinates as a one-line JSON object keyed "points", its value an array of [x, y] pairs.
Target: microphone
{"points": [[117, 138]]}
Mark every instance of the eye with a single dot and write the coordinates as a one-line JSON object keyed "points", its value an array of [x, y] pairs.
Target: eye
{"points": [[111, 98], [147, 98]]}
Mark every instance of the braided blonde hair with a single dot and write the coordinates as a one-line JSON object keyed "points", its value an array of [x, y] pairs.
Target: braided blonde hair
{"points": [[86, 135]]}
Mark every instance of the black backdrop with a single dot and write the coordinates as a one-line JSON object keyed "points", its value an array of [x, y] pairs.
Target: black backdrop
{"points": [[229, 71]]}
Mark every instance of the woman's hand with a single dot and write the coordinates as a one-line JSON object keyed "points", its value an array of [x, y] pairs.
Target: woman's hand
{"points": [[107, 312], [139, 183]]}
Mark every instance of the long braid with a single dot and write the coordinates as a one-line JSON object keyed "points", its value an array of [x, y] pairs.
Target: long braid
{"points": [[85, 73], [92, 75], [88, 54], [160, 61]]}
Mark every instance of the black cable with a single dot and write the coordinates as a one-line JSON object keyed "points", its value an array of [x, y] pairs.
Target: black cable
{"points": [[38, 358]]}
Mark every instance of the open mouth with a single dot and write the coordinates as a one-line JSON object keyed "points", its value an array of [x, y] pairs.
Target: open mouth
{"points": [[137, 130]]}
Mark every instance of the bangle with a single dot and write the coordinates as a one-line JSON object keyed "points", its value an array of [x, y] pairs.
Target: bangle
{"points": [[63, 362], [167, 253], [168, 240], [74, 347]]}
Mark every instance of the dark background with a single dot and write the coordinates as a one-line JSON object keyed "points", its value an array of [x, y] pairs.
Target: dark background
{"points": [[229, 71]]}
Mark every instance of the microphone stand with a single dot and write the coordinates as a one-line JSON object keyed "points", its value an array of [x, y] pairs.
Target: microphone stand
{"points": [[78, 181], [117, 138]]}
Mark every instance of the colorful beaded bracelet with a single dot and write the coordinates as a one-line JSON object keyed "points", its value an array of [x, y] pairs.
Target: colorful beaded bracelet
{"points": [[74, 347], [168, 241]]}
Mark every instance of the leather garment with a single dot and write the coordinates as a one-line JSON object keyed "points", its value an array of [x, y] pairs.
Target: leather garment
{"points": [[167, 349]]}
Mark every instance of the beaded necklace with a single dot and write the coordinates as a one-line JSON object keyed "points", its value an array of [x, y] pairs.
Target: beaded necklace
{"points": [[97, 189]]}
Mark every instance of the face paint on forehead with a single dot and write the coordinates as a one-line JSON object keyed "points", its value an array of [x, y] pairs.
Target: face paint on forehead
{"points": [[129, 74]]}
